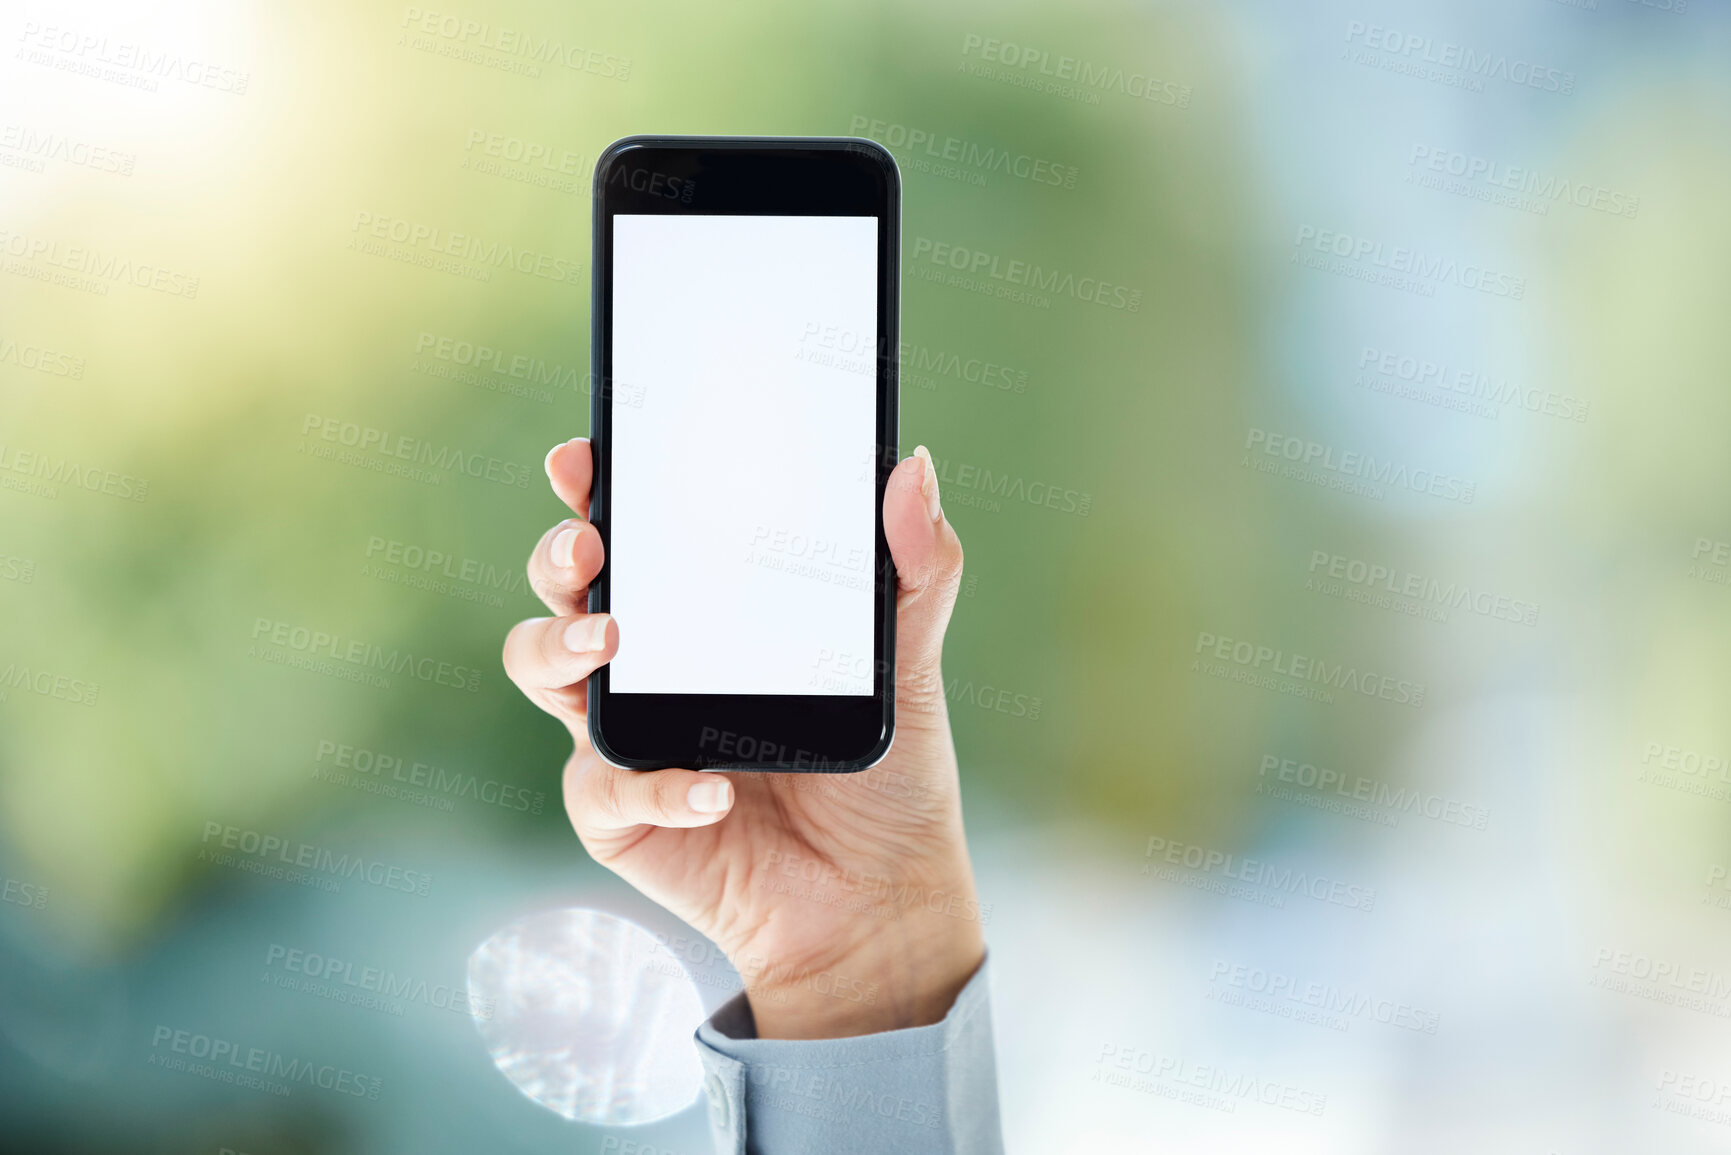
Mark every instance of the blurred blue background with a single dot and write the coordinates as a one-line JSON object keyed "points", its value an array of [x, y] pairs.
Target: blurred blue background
{"points": [[1393, 557]]}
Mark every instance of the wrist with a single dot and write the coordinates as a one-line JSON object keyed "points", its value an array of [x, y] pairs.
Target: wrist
{"points": [[906, 975]]}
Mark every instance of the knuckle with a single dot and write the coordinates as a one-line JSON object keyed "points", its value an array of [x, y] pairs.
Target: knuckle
{"points": [[513, 653], [605, 792], [920, 688], [574, 791], [665, 793], [532, 567], [552, 646], [543, 586], [943, 569], [572, 778], [949, 557]]}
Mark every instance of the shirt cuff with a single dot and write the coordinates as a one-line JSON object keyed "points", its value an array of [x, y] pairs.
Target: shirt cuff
{"points": [[925, 1090]]}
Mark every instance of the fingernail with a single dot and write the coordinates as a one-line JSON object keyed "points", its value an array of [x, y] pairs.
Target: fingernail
{"points": [[586, 635], [929, 483], [565, 548], [710, 797], [547, 462]]}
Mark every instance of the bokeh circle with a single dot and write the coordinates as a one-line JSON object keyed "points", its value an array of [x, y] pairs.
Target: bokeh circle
{"points": [[589, 1016]]}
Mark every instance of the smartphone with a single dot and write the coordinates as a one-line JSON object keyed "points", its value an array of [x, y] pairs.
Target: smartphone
{"points": [[744, 344]]}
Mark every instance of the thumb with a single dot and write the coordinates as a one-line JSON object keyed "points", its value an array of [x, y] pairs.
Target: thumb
{"points": [[928, 558]]}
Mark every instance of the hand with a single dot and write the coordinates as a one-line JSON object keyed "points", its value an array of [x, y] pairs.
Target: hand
{"points": [[846, 901]]}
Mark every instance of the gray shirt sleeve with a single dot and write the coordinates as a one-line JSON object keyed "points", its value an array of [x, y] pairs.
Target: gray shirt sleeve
{"points": [[926, 1090]]}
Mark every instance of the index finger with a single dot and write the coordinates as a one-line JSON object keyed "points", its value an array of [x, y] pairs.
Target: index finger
{"points": [[570, 468]]}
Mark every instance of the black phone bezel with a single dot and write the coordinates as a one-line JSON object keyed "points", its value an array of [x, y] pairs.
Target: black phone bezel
{"points": [[783, 176]]}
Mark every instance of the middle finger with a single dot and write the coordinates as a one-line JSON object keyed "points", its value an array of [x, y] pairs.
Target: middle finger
{"points": [[564, 562], [543, 655]]}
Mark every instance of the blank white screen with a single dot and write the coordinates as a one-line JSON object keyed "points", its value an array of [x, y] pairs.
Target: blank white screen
{"points": [[743, 526]]}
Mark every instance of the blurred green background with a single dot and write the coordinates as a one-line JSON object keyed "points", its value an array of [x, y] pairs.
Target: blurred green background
{"points": [[1210, 162]]}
